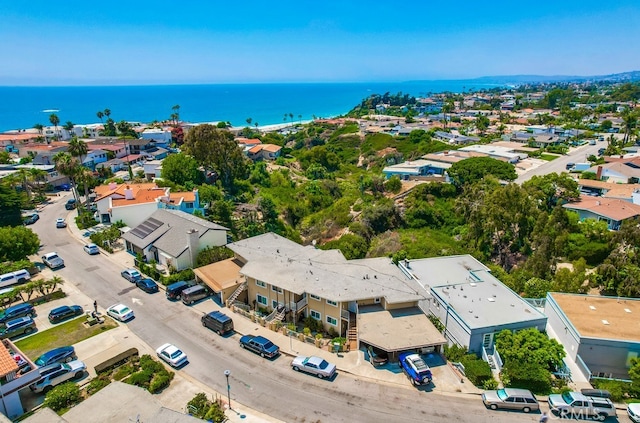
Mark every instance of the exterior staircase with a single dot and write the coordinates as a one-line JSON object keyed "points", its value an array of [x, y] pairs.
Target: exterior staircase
{"points": [[352, 332], [276, 315], [236, 293]]}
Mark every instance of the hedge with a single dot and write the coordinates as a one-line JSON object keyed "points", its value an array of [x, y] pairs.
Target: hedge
{"points": [[476, 370], [529, 376]]}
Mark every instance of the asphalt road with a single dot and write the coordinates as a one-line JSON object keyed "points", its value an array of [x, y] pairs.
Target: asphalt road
{"points": [[268, 386], [559, 165]]}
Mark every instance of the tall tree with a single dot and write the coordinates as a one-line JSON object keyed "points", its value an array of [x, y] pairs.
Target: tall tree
{"points": [[55, 120], [39, 127], [77, 148], [10, 205], [107, 113], [68, 166], [216, 149], [68, 126], [176, 114], [100, 115], [17, 243]]}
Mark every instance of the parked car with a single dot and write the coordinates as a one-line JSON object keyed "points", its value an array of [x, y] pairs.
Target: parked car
{"points": [[577, 405], [56, 355], [31, 219], [633, 410], [61, 313], [20, 326], [194, 293], [53, 260], [259, 345], [174, 291], [60, 223], [314, 365], [415, 368], [132, 275], [12, 278], [18, 310], [172, 355], [511, 398], [91, 249], [55, 374], [217, 322], [71, 204], [147, 285], [120, 312]]}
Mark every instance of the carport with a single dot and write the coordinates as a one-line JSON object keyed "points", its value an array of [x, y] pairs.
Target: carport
{"points": [[394, 331], [222, 277]]}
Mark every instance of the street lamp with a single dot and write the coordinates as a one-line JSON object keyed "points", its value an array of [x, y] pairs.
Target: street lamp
{"points": [[227, 373]]}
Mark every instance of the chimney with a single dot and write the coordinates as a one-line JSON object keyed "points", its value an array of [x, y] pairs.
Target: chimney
{"points": [[128, 193], [193, 240], [599, 173]]}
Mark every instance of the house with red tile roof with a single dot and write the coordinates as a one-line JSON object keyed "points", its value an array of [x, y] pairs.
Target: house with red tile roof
{"points": [[264, 152], [133, 203], [610, 210]]}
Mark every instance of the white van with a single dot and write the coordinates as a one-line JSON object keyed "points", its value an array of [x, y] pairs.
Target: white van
{"points": [[12, 278]]}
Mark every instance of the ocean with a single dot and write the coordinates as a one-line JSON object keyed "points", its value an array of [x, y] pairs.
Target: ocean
{"points": [[265, 104]]}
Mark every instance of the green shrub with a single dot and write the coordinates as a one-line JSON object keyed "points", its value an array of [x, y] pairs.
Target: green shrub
{"points": [[98, 383], [619, 390], [529, 376], [199, 405], [159, 382], [141, 378], [454, 353], [476, 370], [62, 396], [123, 372], [183, 275], [490, 384], [215, 414]]}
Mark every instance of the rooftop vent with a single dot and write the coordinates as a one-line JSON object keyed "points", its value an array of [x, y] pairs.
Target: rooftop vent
{"points": [[592, 307], [472, 284], [605, 322], [491, 300], [627, 310]]}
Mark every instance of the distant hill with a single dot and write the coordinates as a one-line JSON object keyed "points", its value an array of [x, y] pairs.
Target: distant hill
{"points": [[523, 79]]}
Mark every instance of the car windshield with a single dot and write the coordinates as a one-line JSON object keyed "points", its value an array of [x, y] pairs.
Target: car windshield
{"points": [[124, 310], [41, 361], [176, 354], [567, 397], [502, 394]]}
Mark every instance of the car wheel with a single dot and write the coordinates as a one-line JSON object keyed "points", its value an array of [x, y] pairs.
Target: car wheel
{"points": [[493, 406], [296, 368], [262, 354], [526, 409], [68, 359], [320, 376], [178, 297], [78, 375], [415, 382], [601, 417], [46, 389], [28, 330], [191, 302], [219, 332], [242, 346], [32, 315], [204, 324]]}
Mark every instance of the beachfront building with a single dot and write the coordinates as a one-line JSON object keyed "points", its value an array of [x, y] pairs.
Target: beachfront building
{"points": [[415, 169], [600, 334], [161, 136], [471, 303], [369, 301]]}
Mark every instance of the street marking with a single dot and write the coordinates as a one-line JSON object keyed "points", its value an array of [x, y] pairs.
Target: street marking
{"points": [[136, 301], [92, 268]]}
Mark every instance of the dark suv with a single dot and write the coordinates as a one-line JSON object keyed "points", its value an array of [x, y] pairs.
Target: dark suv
{"points": [[19, 326], [259, 345], [20, 310], [218, 322], [61, 313], [174, 291]]}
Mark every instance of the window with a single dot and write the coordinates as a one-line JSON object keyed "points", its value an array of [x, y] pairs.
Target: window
{"points": [[332, 321], [276, 289], [314, 297], [316, 315], [274, 304], [260, 283], [333, 303], [376, 300], [261, 299], [189, 205]]}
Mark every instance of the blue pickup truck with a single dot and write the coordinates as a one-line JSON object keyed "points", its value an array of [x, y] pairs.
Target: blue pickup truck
{"points": [[415, 368]]}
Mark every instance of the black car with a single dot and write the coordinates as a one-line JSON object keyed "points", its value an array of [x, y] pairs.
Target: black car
{"points": [[147, 285], [64, 312], [70, 204], [30, 220]]}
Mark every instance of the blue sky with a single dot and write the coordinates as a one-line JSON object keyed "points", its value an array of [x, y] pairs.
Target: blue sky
{"points": [[202, 41]]}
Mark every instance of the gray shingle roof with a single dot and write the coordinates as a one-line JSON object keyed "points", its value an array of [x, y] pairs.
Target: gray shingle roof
{"points": [[170, 236], [285, 264]]}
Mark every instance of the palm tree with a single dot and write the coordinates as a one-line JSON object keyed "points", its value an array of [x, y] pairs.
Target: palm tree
{"points": [[176, 112], [249, 120], [77, 148], [39, 127], [100, 115], [285, 118], [85, 176], [107, 113], [68, 166], [300, 119], [55, 120], [68, 126], [630, 122], [291, 117]]}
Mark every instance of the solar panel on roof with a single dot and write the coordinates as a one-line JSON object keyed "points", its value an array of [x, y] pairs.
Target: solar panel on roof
{"points": [[137, 233], [145, 228]]}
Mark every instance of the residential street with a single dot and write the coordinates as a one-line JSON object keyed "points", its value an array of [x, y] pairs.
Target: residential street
{"points": [[270, 387]]}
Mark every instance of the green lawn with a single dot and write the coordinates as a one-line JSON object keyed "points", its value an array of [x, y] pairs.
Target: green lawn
{"points": [[67, 333], [548, 157]]}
